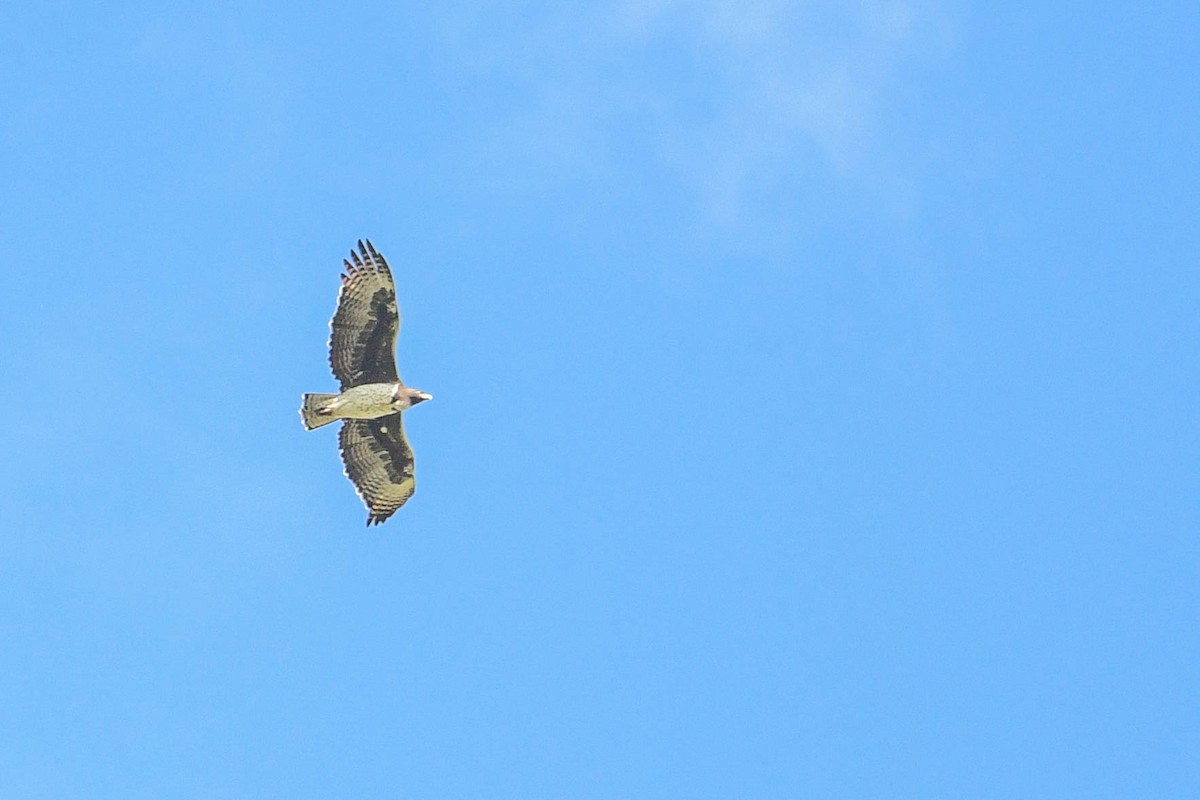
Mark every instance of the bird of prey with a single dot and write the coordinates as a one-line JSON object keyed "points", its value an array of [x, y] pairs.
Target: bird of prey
{"points": [[378, 459]]}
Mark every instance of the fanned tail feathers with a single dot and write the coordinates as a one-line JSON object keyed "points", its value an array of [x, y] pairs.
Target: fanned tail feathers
{"points": [[310, 413]]}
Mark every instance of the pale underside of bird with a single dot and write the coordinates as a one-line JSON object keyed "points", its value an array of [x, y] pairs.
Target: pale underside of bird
{"points": [[362, 344]]}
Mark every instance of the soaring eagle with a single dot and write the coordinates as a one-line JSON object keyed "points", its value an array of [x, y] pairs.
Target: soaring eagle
{"points": [[378, 459]]}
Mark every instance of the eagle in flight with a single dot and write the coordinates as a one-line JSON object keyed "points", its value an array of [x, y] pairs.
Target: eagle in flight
{"points": [[378, 459]]}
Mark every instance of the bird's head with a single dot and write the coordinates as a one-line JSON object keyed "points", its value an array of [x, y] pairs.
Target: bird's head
{"points": [[407, 397]]}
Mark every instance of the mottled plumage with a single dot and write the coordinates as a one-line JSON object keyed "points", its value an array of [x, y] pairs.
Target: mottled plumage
{"points": [[375, 452], [379, 461], [364, 327]]}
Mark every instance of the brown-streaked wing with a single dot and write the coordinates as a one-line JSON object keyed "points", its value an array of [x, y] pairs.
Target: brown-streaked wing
{"points": [[379, 462], [362, 341]]}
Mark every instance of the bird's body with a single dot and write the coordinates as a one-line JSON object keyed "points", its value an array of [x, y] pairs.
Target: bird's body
{"points": [[369, 401], [376, 454]]}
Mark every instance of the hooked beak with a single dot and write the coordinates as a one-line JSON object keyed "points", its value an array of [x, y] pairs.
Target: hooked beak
{"points": [[419, 397]]}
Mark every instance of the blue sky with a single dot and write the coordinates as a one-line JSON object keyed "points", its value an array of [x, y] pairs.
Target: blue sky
{"points": [[815, 400]]}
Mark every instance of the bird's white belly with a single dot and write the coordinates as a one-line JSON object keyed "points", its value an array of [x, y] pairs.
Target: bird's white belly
{"points": [[365, 402]]}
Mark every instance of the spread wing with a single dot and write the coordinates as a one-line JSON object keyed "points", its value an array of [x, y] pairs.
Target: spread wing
{"points": [[379, 462], [362, 343]]}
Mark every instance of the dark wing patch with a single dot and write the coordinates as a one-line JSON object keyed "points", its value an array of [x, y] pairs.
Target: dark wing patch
{"points": [[379, 462], [362, 342]]}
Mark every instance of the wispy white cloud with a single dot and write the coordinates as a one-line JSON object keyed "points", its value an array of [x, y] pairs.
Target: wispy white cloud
{"points": [[735, 100]]}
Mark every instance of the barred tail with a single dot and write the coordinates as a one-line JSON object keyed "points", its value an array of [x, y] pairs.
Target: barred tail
{"points": [[310, 411]]}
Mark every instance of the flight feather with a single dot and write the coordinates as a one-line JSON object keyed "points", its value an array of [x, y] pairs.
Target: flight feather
{"points": [[379, 462], [362, 341]]}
